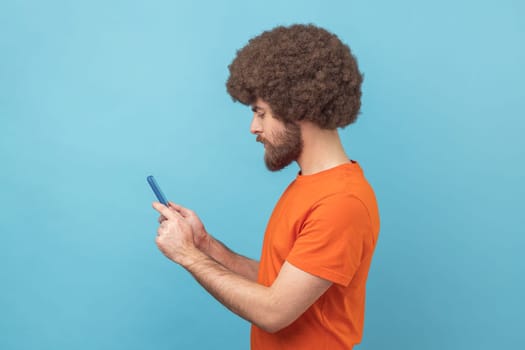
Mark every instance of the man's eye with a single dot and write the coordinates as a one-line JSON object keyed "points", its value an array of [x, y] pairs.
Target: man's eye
{"points": [[260, 115]]}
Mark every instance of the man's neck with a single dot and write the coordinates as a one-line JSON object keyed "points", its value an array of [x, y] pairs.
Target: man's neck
{"points": [[322, 149]]}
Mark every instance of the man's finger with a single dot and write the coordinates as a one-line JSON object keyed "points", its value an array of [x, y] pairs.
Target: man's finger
{"points": [[166, 212], [183, 211]]}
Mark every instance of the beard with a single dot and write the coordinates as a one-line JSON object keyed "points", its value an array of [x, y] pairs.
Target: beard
{"points": [[286, 148]]}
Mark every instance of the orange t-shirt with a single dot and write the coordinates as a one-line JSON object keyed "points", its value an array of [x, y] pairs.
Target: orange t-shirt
{"points": [[326, 224]]}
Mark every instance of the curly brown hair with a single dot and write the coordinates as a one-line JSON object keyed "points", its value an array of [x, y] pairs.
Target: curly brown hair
{"points": [[303, 72]]}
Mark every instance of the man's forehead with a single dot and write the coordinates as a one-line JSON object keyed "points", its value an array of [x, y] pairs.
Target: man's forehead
{"points": [[259, 104]]}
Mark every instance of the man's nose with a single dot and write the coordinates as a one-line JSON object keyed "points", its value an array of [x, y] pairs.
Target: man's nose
{"points": [[255, 126]]}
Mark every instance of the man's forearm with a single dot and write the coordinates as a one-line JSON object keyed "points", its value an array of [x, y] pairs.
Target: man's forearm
{"points": [[248, 299], [238, 264]]}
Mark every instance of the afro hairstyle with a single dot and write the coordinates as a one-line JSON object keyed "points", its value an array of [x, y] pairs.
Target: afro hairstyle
{"points": [[303, 72]]}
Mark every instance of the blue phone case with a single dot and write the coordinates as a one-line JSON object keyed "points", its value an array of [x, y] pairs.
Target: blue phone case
{"points": [[156, 189]]}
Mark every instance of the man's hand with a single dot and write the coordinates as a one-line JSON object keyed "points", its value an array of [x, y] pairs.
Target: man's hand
{"points": [[200, 235], [175, 237]]}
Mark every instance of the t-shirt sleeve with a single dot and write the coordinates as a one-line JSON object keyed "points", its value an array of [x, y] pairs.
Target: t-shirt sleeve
{"points": [[332, 239]]}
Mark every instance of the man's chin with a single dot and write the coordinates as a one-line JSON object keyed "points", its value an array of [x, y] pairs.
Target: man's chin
{"points": [[275, 166]]}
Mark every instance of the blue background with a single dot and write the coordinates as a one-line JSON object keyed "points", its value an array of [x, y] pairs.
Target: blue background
{"points": [[96, 95]]}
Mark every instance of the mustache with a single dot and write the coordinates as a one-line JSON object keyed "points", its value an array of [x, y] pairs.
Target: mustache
{"points": [[260, 139]]}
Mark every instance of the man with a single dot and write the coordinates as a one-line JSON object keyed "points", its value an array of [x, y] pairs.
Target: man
{"points": [[308, 290]]}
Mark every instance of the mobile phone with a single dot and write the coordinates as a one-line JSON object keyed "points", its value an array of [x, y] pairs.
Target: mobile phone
{"points": [[156, 189]]}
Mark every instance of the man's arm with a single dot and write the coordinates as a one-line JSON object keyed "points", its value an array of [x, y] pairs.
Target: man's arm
{"points": [[270, 308], [214, 248], [234, 262]]}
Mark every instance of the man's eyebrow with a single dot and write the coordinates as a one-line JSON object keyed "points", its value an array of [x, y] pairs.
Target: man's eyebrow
{"points": [[257, 108]]}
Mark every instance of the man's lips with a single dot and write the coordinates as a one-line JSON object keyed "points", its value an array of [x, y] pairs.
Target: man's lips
{"points": [[261, 140]]}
